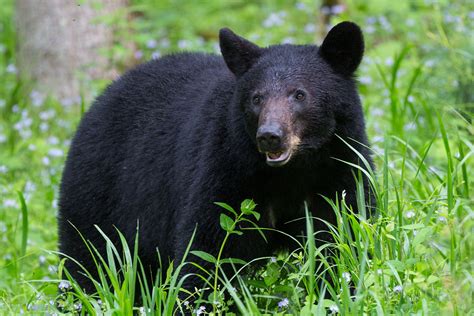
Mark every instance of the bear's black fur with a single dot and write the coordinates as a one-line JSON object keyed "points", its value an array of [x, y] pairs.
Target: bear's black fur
{"points": [[176, 134]]}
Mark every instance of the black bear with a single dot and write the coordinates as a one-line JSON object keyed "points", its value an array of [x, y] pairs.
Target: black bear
{"points": [[176, 134]]}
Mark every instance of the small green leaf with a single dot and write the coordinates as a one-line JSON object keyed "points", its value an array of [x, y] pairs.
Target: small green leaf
{"points": [[390, 227], [233, 260], [422, 235], [412, 226], [247, 206], [397, 264], [24, 227], [227, 223], [432, 279], [309, 309], [257, 215], [237, 232], [227, 207], [273, 273], [204, 256], [257, 283], [419, 279], [389, 236], [328, 303], [169, 272], [283, 289], [215, 297]]}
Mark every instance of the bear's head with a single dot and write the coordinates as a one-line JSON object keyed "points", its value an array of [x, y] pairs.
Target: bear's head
{"points": [[290, 94]]}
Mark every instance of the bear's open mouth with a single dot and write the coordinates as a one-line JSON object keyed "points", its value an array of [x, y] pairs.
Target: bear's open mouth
{"points": [[277, 159]]}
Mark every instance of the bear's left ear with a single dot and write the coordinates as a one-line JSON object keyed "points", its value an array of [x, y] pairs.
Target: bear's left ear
{"points": [[343, 47], [239, 54]]}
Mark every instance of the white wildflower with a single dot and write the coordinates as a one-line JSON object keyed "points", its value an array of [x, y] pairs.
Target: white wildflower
{"points": [[165, 42], [3, 227], [53, 140], [338, 9], [410, 22], [138, 54], [398, 289], [78, 306], [11, 69], [42, 259], [377, 112], [274, 19], [365, 80], [45, 161], [183, 44], [371, 20], [151, 43], [409, 126], [300, 6], [37, 98], [283, 303], [44, 127], [389, 61], [46, 115], [334, 309], [442, 219], [346, 276], [310, 28], [64, 285], [55, 152], [369, 29], [67, 102], [201, 310], [53, 269], [9, 203], [326, 10]]}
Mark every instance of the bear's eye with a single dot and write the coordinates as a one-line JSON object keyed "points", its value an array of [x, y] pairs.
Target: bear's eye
{"points": [[300, 95], [256, 100]]}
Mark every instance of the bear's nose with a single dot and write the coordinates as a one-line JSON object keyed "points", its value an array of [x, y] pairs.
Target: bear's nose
{"points": [[269, 138]]}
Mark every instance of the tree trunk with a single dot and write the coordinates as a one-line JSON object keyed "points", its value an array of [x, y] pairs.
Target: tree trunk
{"points": [[61, 43]]}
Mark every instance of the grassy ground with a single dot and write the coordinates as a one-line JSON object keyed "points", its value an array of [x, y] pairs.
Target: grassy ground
{"points": [[417, 87]]}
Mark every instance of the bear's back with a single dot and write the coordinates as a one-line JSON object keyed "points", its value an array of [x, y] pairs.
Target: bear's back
{"points": [[165, 81], [161, 95]]}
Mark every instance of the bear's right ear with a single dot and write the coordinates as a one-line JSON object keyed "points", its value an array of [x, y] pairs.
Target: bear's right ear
{"points": [[343, 47], [239, 54]]}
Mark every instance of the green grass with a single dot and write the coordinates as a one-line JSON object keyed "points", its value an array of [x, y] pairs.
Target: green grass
{"points": [[416, 257]]}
